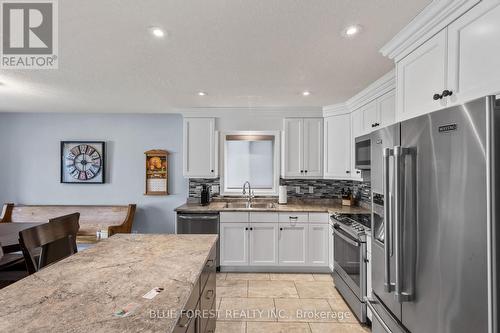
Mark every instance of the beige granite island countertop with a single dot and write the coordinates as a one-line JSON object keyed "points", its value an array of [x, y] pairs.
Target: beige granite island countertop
{"points": [[321, 207], [82, 293]]}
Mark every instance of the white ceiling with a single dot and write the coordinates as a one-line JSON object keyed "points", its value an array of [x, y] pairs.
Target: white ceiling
{"points": [[243, 53]]}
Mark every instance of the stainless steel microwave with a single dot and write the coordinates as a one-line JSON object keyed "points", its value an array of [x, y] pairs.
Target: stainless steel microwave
{"points": [[362, 152]]}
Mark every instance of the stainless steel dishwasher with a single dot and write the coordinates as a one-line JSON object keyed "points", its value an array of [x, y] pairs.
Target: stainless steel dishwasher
{"points": [[199, 223]]}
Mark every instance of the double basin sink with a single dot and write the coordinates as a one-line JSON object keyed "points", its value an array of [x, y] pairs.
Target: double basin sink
{"points": [[244, 205]]}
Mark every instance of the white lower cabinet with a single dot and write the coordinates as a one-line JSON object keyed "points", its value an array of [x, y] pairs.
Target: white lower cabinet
{"points": [[263, 244], [234, 244], [293, 244], [318, 245]]}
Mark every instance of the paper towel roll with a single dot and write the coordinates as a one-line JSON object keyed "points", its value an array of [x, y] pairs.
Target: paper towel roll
{"points": [[282, 195]]}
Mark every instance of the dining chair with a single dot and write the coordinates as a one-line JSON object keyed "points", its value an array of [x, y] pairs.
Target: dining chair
{"points": [[12, 268], [55, 241]]}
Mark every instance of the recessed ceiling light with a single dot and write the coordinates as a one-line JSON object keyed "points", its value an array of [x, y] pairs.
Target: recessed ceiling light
{"points": [[202, 93], [157, 32], [351, 30], [306, 93]]}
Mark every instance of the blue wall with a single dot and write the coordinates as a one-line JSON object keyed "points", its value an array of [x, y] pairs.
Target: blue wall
{"points": [[29, 162]]}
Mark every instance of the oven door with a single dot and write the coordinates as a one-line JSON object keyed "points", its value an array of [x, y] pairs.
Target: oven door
{"points": [[348, 258], [363, 152]]}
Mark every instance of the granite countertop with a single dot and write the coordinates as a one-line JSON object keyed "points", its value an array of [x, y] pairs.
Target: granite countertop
{"points": [[309, 206], [83, 292]]}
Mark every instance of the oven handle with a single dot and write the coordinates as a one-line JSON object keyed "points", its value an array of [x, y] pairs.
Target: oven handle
{"points": [[346, 238]]}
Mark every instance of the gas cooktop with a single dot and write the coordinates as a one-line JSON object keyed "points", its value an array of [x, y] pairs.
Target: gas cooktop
{"points": [[358, 222]]}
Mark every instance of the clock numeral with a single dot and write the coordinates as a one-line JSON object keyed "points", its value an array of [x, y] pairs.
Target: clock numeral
{"points": [[83, 149], [95, 169], [83, 176], [75, 173], [90, 174], [75, 151], [90, 150], [70, 156]]}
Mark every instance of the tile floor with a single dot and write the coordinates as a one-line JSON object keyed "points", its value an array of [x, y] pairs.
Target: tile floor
{"points": [[275, 303]]}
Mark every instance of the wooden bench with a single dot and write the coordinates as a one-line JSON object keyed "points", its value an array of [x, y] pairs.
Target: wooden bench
{"points": [[115, 219]]}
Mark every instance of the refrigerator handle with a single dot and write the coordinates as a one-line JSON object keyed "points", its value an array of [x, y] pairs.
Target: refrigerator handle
{"points": [[399, 294], [388, 287]]}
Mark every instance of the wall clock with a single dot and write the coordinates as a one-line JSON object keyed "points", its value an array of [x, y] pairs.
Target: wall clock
{"points": [[83, 162]]}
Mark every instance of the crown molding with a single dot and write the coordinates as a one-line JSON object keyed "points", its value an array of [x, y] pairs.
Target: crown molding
{"points": [[435, 17], [271, 112], [375, 90]]}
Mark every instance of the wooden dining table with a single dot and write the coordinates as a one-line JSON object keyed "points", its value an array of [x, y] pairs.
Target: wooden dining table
{"points": [[9, 235]]}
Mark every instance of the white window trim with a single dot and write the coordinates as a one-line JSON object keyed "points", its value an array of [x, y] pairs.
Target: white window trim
{"points": [[276, 164]]}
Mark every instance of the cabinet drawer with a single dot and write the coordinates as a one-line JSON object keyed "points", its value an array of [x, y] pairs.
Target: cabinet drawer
{"points": [[207, 301], [291, 217], [210, 267], [263, 217], [188, 321], [319, 218], [231, 217]]}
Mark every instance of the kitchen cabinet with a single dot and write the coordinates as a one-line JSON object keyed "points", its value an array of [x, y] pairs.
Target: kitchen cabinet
{"points": [[263, 244], [318, 245], [234, 244], [420, 76], [386, 110], [473, 49], [302, 148], [337, 147], [370, 117], [293, 244], [330, 247], [200, 148]]}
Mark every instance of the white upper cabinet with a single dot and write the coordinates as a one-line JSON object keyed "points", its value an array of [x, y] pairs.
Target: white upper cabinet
{"points": [[386, 110], [337, 147], [303, 147], [200, 148], [370, 116], [313, 147], [421, 75], [473, 53]]}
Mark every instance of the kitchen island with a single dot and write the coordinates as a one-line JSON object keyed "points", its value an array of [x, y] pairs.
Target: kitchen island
{"points": [[101, 289]]}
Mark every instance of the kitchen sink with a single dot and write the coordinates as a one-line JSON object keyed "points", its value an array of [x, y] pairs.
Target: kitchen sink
{"points": [[244, 205]]}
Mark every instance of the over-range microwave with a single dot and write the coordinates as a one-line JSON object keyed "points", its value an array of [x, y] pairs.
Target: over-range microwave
{"points": [[362, 152]]}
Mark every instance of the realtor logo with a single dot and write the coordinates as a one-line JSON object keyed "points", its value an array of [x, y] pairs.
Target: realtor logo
{"points": [[29, 34]]}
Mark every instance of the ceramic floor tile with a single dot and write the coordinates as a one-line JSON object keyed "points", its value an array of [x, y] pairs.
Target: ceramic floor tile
{"points": [[291, 277], [235, 288], [317, 289], [338, 328], [256, 327], [221, 276], [230, 327], [247, 309], [273, 289], [323, 277], [247, 276], [304, 310], [340, 307]]}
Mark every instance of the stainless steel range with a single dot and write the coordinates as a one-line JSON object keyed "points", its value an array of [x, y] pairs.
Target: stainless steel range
{"points": [[349, 274]]}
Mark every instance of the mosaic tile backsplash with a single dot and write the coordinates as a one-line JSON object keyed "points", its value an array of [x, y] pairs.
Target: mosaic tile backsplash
{"points": [[321, 188]]}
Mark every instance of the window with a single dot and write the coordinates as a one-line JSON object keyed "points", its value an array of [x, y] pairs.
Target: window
{"points": [[252, 157]]}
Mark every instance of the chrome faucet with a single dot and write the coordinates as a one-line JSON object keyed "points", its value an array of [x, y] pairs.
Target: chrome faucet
{"points": [[250, 195]]}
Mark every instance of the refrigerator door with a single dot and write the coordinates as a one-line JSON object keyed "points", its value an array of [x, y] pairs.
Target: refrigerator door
{"points": [[441, 279], [384, 139]]}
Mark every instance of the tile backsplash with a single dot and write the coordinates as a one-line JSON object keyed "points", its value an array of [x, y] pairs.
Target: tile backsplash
{"points": [[321, 188]]}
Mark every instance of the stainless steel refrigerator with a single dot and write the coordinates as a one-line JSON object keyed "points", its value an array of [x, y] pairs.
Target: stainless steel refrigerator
{"points": [[434, 223]]}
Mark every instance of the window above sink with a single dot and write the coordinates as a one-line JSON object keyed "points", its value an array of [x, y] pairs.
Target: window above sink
{"points": [[251, 156]]}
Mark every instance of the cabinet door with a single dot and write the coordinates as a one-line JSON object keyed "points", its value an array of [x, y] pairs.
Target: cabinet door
{"points": [[330, 247], [419, 76], [337, 146], [473, 53], [294, 150], [356, 130], [292, 244], [234, 244], [200, 149], [263, 244], [370, 116], [318, 245], [357, 122], [386, 109], [313, 147]]}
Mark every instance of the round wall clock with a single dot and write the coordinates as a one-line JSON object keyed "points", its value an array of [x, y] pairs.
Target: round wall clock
{"points": [[83, 162]]}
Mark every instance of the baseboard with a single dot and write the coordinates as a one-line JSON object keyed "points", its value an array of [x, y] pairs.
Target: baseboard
{"points": [[275, 269]]}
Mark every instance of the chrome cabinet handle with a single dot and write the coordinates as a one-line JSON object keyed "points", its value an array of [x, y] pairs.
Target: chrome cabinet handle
{"points": [[210, 294], [186, 324], [388, 287]]}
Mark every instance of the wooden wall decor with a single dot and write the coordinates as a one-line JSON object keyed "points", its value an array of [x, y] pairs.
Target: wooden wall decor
{"points": [[156, 172]]}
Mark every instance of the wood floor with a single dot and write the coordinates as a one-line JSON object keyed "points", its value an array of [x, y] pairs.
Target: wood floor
{"points": [[291, 303]]}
